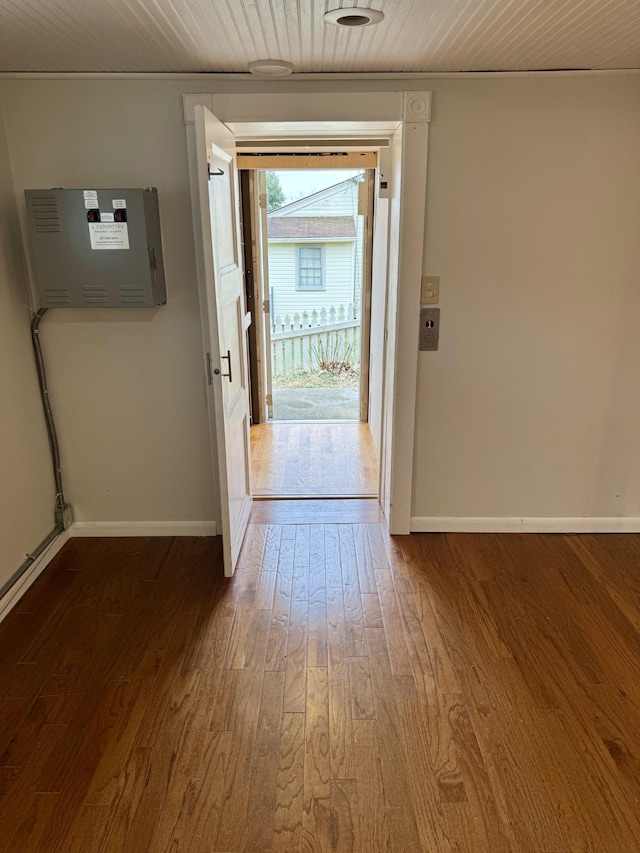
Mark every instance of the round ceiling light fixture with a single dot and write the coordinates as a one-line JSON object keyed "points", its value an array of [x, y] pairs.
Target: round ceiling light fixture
{"points": [[271, 68], [354, 16]]}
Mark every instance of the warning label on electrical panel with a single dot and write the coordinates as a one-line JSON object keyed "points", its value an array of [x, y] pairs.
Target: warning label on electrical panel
{"points": [[109, 235], [90, 199]]}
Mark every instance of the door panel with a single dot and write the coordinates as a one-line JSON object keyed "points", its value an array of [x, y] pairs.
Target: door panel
{"points": [[223, 206], [220, 222]]}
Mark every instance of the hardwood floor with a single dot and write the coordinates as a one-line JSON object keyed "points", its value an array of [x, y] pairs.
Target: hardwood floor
{"points": [[313, 460], [345, 691]]}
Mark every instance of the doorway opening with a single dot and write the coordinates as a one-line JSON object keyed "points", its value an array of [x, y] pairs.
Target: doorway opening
{"points": [[315, 253], [308, 245], [395, 126]]}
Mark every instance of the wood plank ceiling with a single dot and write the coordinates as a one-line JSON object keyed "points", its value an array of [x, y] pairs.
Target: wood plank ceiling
{"points": [[225, 35]]}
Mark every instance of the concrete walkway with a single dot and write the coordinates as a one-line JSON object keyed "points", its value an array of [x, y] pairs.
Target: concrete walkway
{"points": [[316, 404]]}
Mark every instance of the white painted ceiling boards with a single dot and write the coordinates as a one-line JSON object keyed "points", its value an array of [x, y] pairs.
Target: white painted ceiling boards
{"points": [[225, 35]]}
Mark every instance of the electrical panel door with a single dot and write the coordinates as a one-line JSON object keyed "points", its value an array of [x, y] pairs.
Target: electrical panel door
{"points": [[96, 248]]}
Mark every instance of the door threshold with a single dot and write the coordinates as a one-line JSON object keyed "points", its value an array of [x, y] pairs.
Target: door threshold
{"points": [[316, 497], [313, 421], [323, 511]]}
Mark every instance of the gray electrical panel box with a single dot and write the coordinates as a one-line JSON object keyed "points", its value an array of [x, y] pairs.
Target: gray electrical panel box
{"points": [[96, 248]]}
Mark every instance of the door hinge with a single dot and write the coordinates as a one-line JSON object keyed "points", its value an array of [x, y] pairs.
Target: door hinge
{"points": [[262, 201], [269, 400], [209, 370], [266, 306]]}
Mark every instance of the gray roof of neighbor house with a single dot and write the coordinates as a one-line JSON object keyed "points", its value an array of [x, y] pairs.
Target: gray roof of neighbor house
{"points": [[311, 227]]}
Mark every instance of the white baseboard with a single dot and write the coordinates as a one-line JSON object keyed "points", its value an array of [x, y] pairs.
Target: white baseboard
{"points": [[453, 524], [143, 528], [13, 595]]}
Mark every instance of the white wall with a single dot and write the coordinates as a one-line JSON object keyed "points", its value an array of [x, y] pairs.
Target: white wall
{"points": [[128, 384], [530, 407], [27, 495]]}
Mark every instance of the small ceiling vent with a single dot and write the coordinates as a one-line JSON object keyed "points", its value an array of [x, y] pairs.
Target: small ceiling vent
{"points": [[353, 17]]}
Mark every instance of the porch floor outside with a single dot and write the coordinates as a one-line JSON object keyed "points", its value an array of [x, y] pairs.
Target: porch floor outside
{"points": [[316, 404]]}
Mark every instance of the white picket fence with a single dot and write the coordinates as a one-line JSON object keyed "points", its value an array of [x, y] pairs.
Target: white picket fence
{"points": [[298, 341]]}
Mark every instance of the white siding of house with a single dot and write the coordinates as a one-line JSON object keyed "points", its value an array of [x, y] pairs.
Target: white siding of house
{"points": [[338, 278], [343, 202]]}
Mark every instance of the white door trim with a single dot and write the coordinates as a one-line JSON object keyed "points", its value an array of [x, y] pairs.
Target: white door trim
{"points": [[411, 113]]}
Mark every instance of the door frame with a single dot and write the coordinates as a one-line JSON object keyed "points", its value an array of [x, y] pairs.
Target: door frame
{"points": [[258, 202], [338, 115], [245, 182], [366, 285]]}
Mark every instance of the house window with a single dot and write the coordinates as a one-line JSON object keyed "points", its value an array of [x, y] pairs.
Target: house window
{"points": [[310, 268]]}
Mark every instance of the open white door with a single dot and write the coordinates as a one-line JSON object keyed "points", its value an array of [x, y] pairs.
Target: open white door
{"points": [[225, 324]]}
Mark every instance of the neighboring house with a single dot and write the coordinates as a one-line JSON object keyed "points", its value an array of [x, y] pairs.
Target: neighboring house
{"points": [[315, 251]]}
